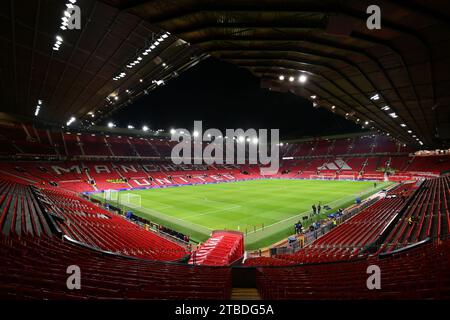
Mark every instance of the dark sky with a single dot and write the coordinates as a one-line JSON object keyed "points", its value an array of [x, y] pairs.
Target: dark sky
{"points": [[225, 96]]}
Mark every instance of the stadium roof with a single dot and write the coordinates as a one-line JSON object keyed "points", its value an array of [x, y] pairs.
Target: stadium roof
{"points": [[405, 63]]}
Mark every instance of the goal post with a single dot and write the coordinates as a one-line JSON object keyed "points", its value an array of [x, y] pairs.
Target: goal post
{"points": [[131, 200], [111, 195]]}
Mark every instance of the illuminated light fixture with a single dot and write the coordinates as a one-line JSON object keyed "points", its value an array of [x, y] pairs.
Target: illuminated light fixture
{"points": [[172, 131], [366, 123], [403, 125], [195, 134], [144, 128], [164, 64], [421, 143], [315, 104], [409, 131], [116, 98], [313, 97], [36, 112], [140, 80], [111, 125], [165, 35], [414, 136], [386, 108], [71, 120], [393, 115], [375, 97], [333, 107], [127, 91], [241, 139], [161, 39], [59, 41], [152, 46], [281, 78], [302, 78], [156, 43], [248, 139], [291, 79]]}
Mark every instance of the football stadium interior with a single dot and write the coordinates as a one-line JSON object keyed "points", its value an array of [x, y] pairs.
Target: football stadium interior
{"points": [[81, 191]]}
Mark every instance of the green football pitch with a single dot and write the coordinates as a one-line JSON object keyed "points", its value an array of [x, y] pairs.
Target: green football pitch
{"points": [[264, 210]]}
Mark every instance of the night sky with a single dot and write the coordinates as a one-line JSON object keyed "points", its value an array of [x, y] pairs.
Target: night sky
{"points": [[225, 96]]}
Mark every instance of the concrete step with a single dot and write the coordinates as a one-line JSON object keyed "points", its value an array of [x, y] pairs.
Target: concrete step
{"points": [[245, 294]]}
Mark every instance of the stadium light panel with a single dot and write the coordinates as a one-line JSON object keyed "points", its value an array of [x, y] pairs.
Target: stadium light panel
{"points": [[71, 120], [302, 78], [393, 115], [375, 97]]}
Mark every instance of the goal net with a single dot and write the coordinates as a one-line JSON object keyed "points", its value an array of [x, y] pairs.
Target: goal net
{"points": [[131, 200], [111, 195]]}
